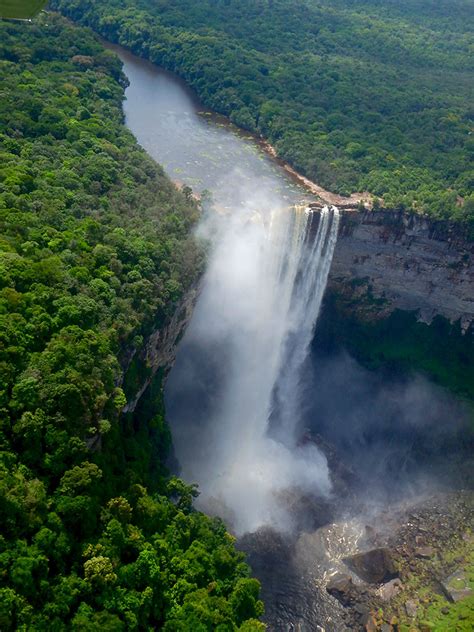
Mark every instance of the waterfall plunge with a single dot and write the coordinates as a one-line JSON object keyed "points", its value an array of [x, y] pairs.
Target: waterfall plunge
{"points": [[257, 311]]}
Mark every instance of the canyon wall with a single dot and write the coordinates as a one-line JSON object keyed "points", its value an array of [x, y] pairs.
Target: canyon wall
{"points": [[386, 260], [158, 351]]}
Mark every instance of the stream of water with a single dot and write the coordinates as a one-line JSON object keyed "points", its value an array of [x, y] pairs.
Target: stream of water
{"points": [[197, 147]]}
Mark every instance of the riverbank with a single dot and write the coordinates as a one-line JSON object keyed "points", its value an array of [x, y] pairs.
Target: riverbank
{"points": [[352, 202]]}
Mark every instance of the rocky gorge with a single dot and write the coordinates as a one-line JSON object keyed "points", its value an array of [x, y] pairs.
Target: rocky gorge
{"points": [[400, 288], [385, 569]]}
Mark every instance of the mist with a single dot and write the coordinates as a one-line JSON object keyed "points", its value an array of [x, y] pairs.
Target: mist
{"points": [[255, 408], [252, 327], [400, 435]]}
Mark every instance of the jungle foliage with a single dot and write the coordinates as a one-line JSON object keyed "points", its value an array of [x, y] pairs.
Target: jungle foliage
{"points": [[95, 253], [400, 342], [20, 9], [356, 94]]}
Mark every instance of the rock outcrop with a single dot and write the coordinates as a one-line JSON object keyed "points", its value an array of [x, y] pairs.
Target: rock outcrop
{"points": [[159, 349], [386, 260], [374, 566]]}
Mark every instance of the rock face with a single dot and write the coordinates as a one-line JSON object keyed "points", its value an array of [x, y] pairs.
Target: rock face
{"points": [[159, 349], [389, 260], [342, 587]]}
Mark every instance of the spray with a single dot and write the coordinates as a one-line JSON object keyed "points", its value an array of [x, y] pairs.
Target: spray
{"points": [[257, 312]]}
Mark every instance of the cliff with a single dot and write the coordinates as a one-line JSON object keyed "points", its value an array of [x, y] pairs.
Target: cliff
{"points": [[387, 260], [158, 351]]}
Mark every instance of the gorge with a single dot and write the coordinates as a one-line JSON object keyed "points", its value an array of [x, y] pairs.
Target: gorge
{"points": [[384, 263], [228, 344]]}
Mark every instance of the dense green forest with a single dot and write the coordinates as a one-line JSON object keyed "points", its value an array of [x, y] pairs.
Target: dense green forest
{"points": [[95, 253], [20, 9], [356, 94]]}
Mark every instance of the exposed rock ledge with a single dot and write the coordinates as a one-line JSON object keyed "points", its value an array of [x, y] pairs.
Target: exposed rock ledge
{"points": [[159, 350], [387, 260]]}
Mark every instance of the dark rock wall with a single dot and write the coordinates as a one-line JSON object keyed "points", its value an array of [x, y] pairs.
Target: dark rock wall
{"points": [[387, 260]]}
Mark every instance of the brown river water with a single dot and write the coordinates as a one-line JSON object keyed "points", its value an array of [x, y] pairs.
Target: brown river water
{"points": [[198, 148]]}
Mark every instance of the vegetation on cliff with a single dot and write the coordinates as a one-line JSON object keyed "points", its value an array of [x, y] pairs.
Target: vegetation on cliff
{"points": [[373, 94], [95, 253], [399, 341]]}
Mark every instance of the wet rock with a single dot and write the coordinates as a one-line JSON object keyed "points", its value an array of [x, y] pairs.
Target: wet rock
{"points": [[425, 552], [370, 625], [390, 589], [342, 588], [457, 585], [374, 566], [411, 608]]}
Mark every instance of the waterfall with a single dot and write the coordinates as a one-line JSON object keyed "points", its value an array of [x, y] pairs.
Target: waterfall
{"points": [[257, 312], [308, 289]]}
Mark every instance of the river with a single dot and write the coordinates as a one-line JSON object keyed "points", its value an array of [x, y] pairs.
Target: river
{"points": [[196, 147]]}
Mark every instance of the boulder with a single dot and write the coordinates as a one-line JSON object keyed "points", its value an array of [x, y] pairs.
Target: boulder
{"points": [[390, 589], [374, 566], [342, 588], [411, 608], [425, 552], [345, 591]]}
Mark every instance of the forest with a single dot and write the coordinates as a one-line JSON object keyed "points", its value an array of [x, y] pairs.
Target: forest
{"points": [[95, 254], [356, 95]]}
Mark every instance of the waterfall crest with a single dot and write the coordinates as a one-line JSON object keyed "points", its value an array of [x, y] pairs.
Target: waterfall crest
{"points": [[258, 310]]}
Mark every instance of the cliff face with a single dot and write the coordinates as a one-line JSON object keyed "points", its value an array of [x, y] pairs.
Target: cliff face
{"points": [[159, 349], [386, 260]]}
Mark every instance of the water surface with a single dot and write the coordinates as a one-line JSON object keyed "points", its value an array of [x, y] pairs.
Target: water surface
{"points": [[196, 147]]}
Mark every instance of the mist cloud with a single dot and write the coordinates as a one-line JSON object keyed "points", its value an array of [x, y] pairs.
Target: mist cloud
{"points": [[263, 286]]}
